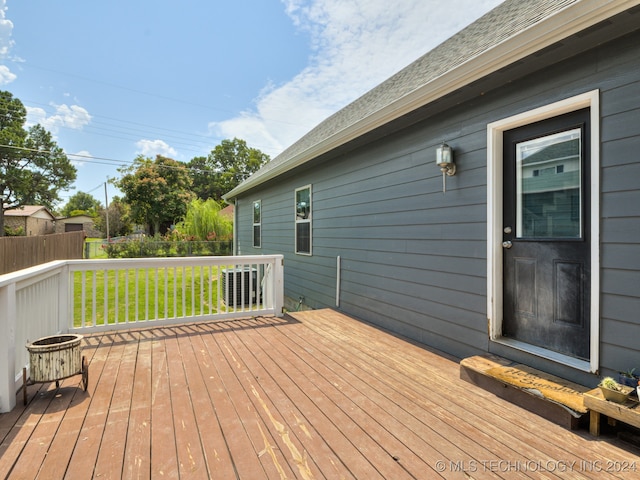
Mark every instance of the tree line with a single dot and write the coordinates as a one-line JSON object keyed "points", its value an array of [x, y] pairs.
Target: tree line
{"points": [[159, 194]]}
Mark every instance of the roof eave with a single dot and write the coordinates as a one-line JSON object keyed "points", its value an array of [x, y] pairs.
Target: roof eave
{"points": [[564, 23]]}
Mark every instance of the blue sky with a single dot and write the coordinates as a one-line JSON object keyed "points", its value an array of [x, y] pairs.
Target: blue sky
{"points": [[116, 79]]}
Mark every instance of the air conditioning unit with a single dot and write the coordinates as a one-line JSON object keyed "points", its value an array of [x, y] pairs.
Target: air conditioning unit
{"points": [[240, 286]]}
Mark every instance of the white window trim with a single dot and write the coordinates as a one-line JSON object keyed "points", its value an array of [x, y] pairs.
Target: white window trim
{"points": [[495, 132], [309, 221], [253, 224]]}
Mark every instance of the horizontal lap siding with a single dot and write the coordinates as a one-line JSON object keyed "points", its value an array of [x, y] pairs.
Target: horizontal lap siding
{"points": [[413, 257], [620, 254]]}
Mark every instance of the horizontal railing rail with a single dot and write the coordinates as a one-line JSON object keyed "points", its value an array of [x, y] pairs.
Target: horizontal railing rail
{"points": [[112, 294]]}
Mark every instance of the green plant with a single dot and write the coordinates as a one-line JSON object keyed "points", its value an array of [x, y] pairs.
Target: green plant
{"points": [[13, 232], [629, 373], [611, 384], [203, 221]]}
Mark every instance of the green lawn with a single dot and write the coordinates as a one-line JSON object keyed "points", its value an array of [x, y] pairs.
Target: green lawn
{"points": [[144, 293]]}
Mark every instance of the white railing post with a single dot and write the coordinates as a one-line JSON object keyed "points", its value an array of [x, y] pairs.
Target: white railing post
{"points": [[65, 301], [7, 347], [278, 285]]}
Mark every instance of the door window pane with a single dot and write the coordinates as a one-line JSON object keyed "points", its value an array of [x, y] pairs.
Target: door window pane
{"points": [[549, 186]]}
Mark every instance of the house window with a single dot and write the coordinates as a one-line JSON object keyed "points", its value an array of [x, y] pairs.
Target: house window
{"points": [[257, 224], [303, 220]]}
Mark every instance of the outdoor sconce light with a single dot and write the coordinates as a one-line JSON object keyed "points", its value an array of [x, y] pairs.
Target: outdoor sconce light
{"points": [[444, 160]]}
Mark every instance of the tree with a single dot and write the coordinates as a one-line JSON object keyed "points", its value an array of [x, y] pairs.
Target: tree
{"points": [[224, 168], [204, 222], [157, 191], [81, 203], [33, 169], [119, 223]]}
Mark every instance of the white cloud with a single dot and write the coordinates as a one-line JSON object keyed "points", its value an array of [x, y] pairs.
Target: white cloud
{"points": [[74, 117], [356, 44], [80, 158], [6, 43], [6, 75], [151, 148]]}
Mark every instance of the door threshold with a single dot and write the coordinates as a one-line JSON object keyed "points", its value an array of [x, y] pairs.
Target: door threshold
{"points": [[578, 364]]}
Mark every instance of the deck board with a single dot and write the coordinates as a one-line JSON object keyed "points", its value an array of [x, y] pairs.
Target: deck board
{"points": [[311, 395], [164, 461]]}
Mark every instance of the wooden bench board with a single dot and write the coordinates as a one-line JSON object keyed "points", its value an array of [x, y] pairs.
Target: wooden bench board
{"points": [[481, 371], [628, 412]]}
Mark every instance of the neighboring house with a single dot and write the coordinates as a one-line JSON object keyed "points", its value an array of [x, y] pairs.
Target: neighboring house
{"points": [[33, 219], [533, 251], [227, 212], [78, 223]]}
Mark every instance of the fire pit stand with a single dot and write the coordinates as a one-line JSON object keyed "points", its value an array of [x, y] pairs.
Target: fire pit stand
{"points": [[55, 358]]}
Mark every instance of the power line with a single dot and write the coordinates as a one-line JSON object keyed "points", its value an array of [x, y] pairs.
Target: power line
{"points": [[111, 161], [185, 141], [180, 138], [146, 93]]}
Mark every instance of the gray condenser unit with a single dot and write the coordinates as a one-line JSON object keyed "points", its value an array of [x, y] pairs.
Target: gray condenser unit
{"points": [[240, 286]]}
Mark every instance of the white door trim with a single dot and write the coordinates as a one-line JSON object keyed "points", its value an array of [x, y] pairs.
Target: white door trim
{"points": [[495, 131]]}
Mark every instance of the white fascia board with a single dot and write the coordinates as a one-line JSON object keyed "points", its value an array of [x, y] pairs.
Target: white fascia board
{"points": [[566, 22]]}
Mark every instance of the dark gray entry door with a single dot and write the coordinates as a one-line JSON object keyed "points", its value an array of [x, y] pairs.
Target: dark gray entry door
{"points": [[546, 245]]}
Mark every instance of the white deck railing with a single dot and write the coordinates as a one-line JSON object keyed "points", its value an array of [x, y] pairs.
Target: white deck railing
{"points": [[92, 295]]}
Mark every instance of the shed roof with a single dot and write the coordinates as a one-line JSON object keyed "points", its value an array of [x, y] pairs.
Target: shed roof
{"points": [[503, 36], [27, 211]]}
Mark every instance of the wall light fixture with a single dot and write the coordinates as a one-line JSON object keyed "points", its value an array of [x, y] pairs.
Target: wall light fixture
{"points": [[444, 160]]}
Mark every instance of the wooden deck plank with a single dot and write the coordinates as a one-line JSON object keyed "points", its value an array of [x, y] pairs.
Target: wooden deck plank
{"points": [[313, 410], [85, 454], [466, 413], [424, 436], [137, 462], [189, 450], [292, 433], [310, 395], [246, 461], [14, 445], [59, 454], [344, 412], [508, 424], [447, 427], [110, 458], [200, 373], [302, 417], [41, 397], [164, 460], [40, 439], [264, 445]]}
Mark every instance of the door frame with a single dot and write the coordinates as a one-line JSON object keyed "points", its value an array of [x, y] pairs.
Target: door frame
{"points": [[495, 131]]}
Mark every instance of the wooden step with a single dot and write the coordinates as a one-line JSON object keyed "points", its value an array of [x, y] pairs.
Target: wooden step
{"points": [[551, 397]]}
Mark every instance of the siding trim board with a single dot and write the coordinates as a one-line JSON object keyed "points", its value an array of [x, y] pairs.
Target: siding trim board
{"points": [[495, 131]]}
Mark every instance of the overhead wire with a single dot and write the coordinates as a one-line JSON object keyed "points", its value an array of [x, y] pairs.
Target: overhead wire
{"points": [[111, 161], [185, 141], [203, 139]]}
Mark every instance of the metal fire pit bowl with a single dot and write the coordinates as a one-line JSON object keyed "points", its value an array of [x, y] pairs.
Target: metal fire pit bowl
{"points": [[55, 358]]}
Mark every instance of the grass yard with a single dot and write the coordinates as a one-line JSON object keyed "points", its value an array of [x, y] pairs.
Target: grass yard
{"points": [[143, 294]]}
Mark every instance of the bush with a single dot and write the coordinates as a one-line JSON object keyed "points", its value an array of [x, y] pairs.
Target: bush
{"points": [[157, 247], [14, 232]]}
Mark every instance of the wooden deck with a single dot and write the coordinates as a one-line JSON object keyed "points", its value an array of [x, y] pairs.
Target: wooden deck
{"points": [[310, 395]]}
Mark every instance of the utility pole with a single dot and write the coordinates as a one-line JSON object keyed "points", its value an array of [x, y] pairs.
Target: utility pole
{"points": [[106, 211]]}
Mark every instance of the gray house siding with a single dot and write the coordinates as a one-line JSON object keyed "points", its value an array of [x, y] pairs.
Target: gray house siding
{"points": [[414, 258]]}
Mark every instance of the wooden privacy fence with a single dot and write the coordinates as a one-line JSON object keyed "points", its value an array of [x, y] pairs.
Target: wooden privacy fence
{"points": [[17, 253]]}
